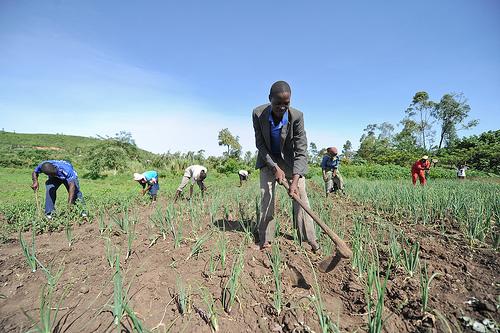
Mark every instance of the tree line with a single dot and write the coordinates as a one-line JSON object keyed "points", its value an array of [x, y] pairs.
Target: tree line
{"points": [[427, 128]]}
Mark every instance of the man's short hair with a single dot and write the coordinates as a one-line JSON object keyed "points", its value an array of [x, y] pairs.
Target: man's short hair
{"points": [[203, 175], [48, 168], [279, 87]]}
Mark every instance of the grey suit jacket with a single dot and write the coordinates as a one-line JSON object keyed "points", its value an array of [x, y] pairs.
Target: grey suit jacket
{"points": [[293, 159]]}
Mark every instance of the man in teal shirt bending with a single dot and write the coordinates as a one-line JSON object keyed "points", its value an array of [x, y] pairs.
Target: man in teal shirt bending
{"points": [[149, 183]]}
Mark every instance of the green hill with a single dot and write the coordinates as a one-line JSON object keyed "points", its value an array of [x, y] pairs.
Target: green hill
{"points": [[27, 150]]}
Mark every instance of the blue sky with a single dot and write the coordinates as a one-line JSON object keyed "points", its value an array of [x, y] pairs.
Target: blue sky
{"points": [[176, 72]]}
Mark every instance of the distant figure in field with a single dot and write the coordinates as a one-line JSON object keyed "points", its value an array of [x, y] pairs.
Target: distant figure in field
{"points": [[418, 170], [331, 175], [243, 176], [282, 157], [195, 174], [149, 183], [461, 171], [59, 172]]}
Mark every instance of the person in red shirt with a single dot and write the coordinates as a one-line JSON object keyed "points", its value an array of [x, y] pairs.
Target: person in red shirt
{"points": [[418, 170]]}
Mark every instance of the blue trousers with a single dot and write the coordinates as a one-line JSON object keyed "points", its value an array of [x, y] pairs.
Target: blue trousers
{"points": [[154, 189], [51, 186]]}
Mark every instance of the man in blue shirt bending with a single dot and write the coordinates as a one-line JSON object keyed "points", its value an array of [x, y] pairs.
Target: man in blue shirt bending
{"points": [[330, 166], [149, 183], [59, 172]]}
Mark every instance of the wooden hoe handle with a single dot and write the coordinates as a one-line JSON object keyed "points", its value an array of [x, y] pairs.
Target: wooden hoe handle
{"points": [[342, 247]]}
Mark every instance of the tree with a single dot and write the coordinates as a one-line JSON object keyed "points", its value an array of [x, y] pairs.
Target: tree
{"points": [[233, 146], [347, 150], [386, 131], [376, 143], [407, 138], [124, 137], [248, 157], [313, 153], [451, 111], [367, 142], [479, 152], [421, 108], [200, 155], [106, 155]]}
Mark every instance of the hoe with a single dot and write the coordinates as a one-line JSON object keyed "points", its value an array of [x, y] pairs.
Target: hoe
{"points": [[343, 251]]}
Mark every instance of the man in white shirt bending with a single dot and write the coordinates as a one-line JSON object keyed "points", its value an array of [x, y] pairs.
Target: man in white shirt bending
{"points": [[461, 171], [195, 174], [243, 176]]}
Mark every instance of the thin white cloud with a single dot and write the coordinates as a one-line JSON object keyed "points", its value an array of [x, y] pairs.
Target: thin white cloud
{"points": [[72, 88]]}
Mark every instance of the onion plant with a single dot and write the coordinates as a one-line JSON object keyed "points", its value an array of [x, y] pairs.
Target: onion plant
{"points": [[119, 294], [394, 247], [68, 230], [325, 322], [183, 297], [29, 251], [101, 222], [211, 317], [425, 284], [49, 305], [375, 286], [130, 237], [233, 284], [276, 263], [222, 244], [110, 252], [198, 245], [360, 246], [411, 258], [473, 205]]}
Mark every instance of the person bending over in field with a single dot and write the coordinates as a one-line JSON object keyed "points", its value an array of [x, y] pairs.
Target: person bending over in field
{"points": [[59, 172], [331, 175], [461, 168], [418, 170], [282, 156], [195, 174], [243, 176], [149, 183]]}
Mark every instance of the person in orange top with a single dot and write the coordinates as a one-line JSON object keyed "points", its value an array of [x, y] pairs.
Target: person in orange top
{"points": [[418, 170]]}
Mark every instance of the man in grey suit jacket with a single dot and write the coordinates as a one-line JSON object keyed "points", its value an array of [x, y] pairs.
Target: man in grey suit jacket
{"points": [[282, 144]]}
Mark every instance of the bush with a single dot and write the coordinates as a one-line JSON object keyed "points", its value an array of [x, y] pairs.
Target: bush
{"points": [[230, 166]]}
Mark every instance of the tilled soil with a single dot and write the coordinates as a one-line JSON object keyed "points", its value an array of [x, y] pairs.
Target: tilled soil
{"points": [[467, 284]]}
